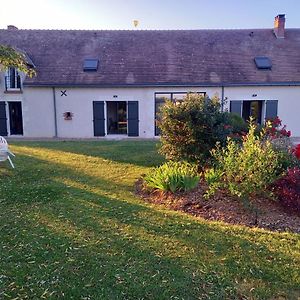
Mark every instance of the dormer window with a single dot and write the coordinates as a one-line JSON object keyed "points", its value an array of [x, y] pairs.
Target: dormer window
{"points": [[263, 63], [12, 80], [90, 64]]}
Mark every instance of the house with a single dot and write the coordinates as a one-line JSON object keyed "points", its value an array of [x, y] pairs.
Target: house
{"points": [[94, 83]]}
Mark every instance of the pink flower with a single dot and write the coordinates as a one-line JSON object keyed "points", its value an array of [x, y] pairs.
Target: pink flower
{"points": [[297, 151]]}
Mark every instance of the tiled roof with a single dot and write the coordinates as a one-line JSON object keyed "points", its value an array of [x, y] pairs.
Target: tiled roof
{"points": [[166, 57]]}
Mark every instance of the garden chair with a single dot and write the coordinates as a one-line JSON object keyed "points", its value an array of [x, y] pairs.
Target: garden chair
{"points": [[4, 151]]}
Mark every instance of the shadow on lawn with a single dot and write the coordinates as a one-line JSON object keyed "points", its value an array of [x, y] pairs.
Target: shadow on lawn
{"points": [[111, 246], [101, 241], [139, 153], [50, 182]]}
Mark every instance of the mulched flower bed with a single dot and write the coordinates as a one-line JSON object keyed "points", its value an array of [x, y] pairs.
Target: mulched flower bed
{"points": [[263, 213]]}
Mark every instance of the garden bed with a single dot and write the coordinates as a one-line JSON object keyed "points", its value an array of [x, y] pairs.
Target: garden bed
{"points": [[267, 214]]}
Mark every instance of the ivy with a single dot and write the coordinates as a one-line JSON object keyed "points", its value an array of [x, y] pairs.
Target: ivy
{"points": [[9, 57]]}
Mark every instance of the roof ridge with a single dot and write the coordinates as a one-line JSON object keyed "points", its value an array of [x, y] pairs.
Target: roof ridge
{"points": [[145, 30]]}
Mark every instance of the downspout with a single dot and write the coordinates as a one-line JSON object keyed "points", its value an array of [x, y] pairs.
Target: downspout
{"points": [[222, 99], [55, 113]]}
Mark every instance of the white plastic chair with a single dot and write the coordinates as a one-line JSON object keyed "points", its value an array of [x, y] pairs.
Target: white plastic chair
{"points": [[4, 151]]}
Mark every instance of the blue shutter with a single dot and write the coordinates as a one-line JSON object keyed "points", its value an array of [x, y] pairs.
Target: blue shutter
{"points": [[3, 119], [271, 109], [99, 120], [236, 107], [133, 118]]}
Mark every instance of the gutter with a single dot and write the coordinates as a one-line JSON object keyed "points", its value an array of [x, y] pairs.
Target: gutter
{"points": [[171, 84], [222, 99], [55, 112]]}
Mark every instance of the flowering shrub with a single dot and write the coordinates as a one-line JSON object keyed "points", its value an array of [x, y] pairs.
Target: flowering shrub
{"points": [[275, 129], [297, 151], [286, 153], [287, 189], [287, 159], [282, 144]]}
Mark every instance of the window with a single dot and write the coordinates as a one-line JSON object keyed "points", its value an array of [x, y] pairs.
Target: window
{"points": [[253, 109], [263, 63], [116, 117], [12, 79], [90, 64], [161, 98], [247, 109], [15, 118]]}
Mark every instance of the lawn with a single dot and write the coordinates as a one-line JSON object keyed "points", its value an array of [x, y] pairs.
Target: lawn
{"points": [[71, 226]]}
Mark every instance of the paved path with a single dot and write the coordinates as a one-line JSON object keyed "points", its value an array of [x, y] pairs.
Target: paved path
{"points": [[296, 140]]}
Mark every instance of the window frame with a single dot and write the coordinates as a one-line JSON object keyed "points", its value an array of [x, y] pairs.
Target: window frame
{"points": [[89, 68], [262, 107], [156, 130], [17, 85], [263, 63]]}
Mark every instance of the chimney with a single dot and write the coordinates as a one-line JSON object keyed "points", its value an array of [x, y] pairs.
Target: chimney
{"points": [[12, 27], [279, 26]]}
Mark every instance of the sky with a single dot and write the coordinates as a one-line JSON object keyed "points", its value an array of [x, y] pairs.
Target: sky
{"points": [[151, 14]]}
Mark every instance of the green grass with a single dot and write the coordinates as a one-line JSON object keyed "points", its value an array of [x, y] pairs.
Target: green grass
{"points": [[71, 226]]}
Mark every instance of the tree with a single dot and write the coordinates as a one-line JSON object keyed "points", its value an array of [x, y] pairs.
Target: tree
{"points": [[9, 57]]}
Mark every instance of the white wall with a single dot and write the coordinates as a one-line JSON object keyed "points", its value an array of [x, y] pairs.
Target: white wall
{"points": [[79, 101], [38, 108], [38, 112], [288, 101]]}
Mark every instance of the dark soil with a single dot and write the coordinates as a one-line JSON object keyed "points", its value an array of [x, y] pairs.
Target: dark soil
{"points": [[261, 212]]}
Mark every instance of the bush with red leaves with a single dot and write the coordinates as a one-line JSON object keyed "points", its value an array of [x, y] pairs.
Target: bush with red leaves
{"points": [[276, 130], [297, 151], [287, 189]]}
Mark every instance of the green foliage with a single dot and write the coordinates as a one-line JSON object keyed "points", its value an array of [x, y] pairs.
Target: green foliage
{"points": [[286, 160], [213, 177], [238, 124], [284, 149], [9, 57], [173, 177], [191, 128], [248, 168]]}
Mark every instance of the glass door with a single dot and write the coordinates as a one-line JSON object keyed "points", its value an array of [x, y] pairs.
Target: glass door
{"points": [[15, 118], [116, 117]]}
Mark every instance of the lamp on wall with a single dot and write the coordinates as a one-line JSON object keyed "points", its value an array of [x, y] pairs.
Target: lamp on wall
{"points": [[68, 115]]}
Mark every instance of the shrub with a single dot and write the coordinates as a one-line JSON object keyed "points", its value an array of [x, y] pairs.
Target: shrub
{"points": [[297, 151], [286, 160], [287, 189], [275, 129], [247, 168], [173, 177], [239, 127], [213, 177], [191, 128], [287, 153]]}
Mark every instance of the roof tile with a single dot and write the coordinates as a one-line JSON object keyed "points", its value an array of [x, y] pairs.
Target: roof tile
{"points": [[153, 57]]}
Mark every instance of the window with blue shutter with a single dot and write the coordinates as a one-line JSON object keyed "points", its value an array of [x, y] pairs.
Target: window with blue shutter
{"points": [[99, 120], [271, 109], [133, 118], [3, 119], [236, 107]]}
